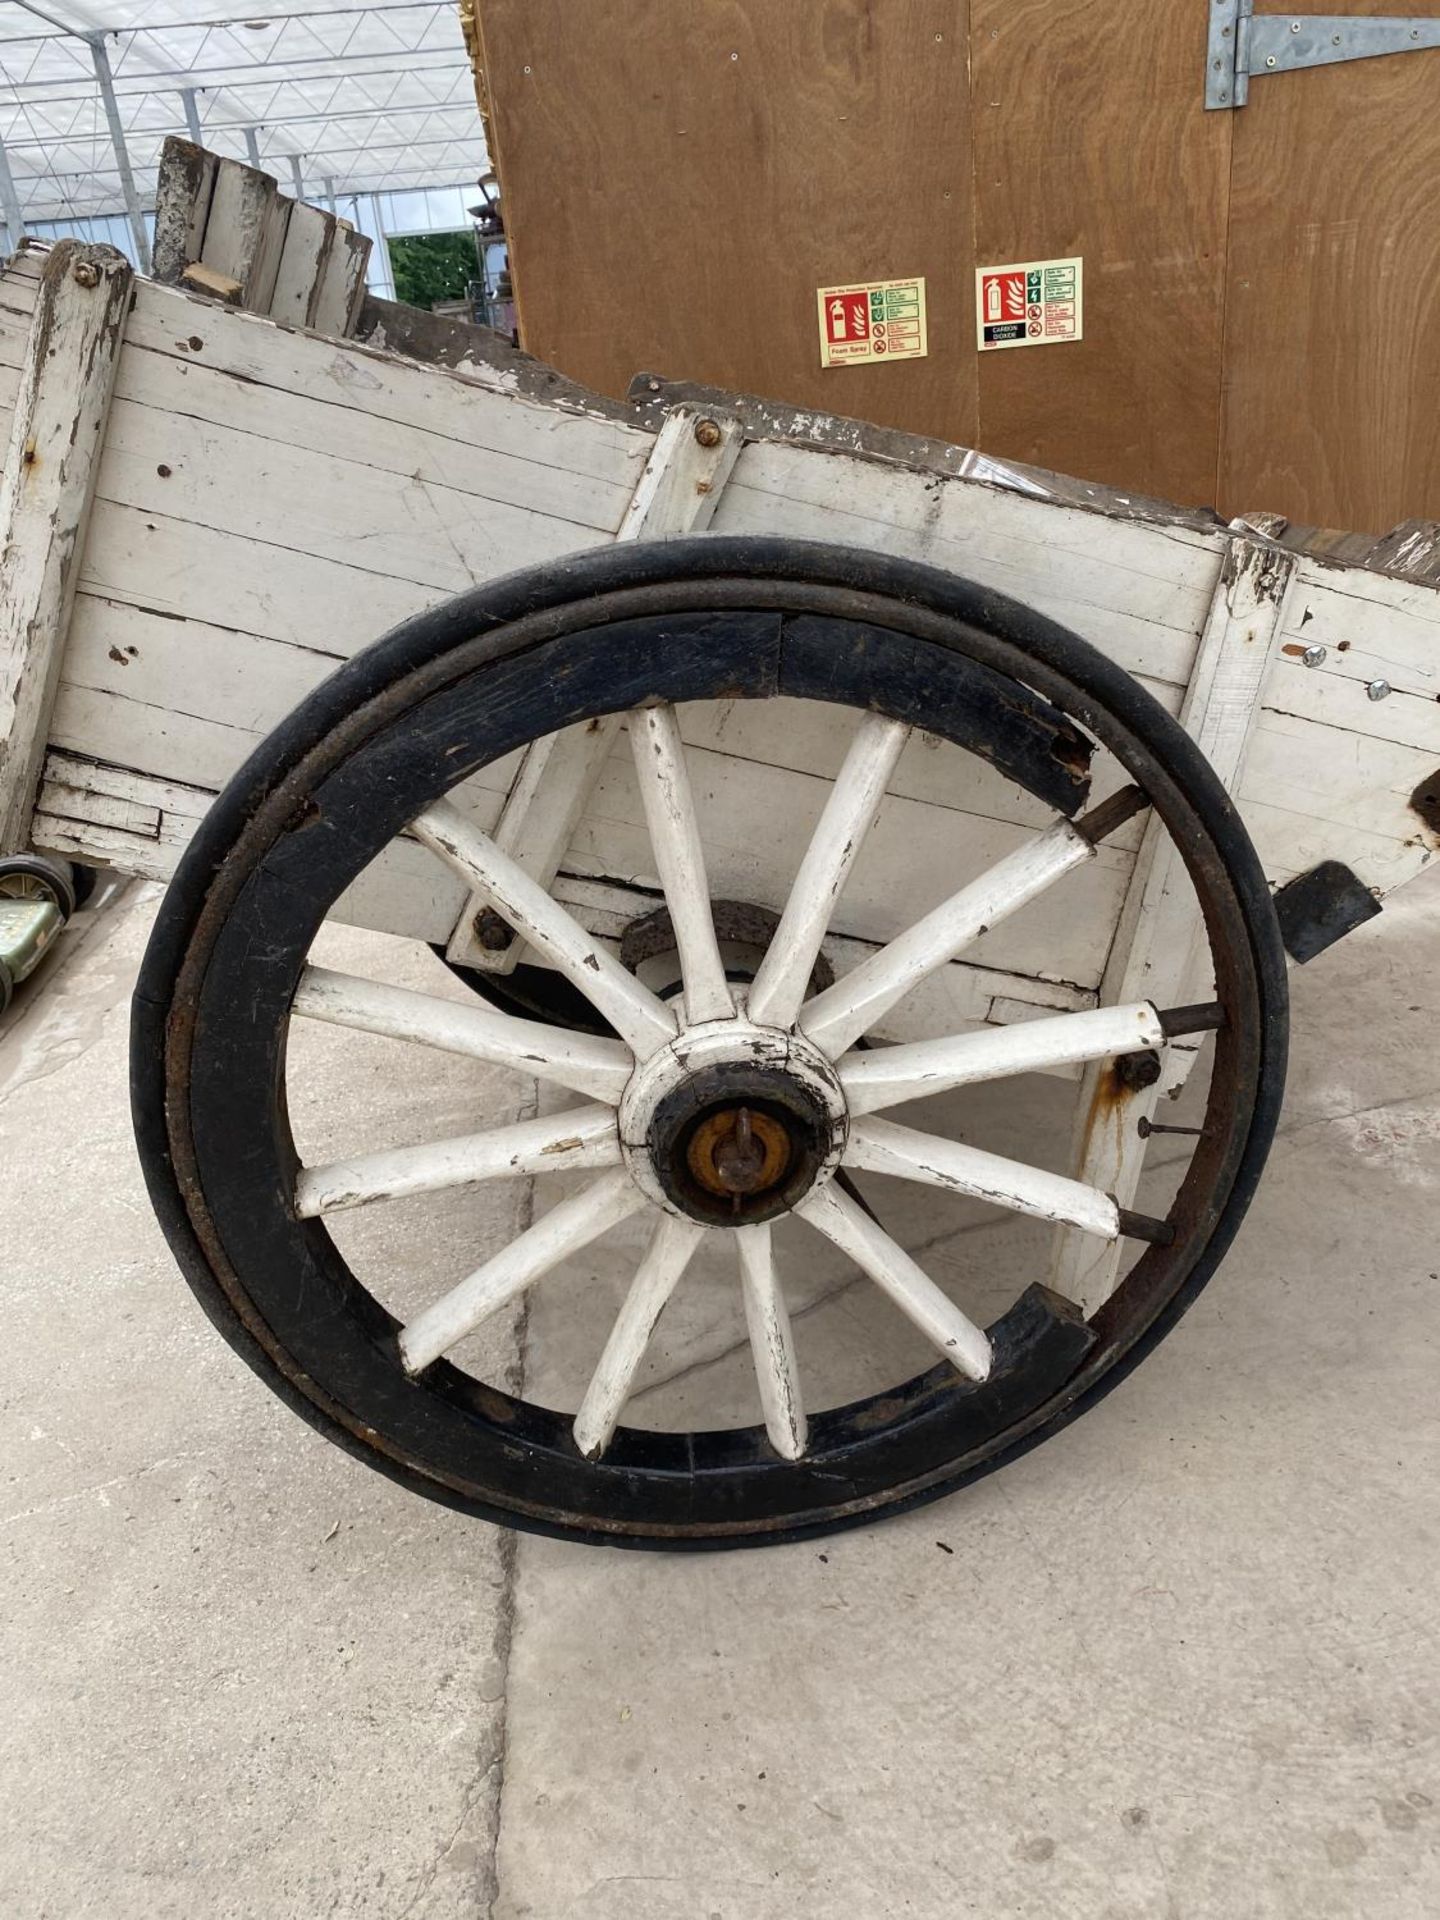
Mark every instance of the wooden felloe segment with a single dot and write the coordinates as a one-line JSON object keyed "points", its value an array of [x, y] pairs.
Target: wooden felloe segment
{"points": [[56, 436], [226, 230]]}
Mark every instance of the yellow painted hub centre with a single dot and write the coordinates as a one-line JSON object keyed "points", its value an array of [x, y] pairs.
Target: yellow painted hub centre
{"points": [[738, 1150]]}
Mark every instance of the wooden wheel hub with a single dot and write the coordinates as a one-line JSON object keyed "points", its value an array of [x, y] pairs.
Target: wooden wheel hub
{"points": [[732, 1124]]}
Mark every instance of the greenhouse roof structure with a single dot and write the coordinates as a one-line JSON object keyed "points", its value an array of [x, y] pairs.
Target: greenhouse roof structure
{"points": [[333, 97]]}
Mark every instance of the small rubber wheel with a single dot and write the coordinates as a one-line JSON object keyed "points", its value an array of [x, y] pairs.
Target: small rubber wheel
{"points": [[34, 876], [731, 1119]]}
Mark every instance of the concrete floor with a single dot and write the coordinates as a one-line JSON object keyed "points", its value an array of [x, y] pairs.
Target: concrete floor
{"points": [[1182, 1662]]}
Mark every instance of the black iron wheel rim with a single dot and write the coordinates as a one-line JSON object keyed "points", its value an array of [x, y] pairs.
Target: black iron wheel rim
{"points": [[645, 1491]]}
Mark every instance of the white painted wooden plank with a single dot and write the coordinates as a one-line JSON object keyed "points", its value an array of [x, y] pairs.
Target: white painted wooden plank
{"points": [[180, 570], [182, 699], [107, 810], [309, 239], [244, 231], [523, 474], [1313, 793], [1371, 626], [297, 500], [480, 413], [341, 285], [813, 736], [1410, 716], [690, 463], [53, 456], [183, 193], [1137, 591]]}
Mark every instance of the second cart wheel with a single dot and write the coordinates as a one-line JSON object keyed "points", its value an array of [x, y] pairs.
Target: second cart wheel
{"points": [[36, 877], [723, 1121]]}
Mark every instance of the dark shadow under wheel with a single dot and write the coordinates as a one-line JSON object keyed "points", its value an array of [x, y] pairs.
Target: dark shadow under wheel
{"points": [[708, 1113]]}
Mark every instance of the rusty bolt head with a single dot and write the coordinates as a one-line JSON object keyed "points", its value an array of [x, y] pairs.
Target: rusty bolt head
{"points": [[707, 432], [1138, 1070], [86, 273], [493, 933]]}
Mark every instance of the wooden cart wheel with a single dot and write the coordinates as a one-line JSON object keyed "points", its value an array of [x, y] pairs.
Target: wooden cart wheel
{"points": [[712, 1113]]}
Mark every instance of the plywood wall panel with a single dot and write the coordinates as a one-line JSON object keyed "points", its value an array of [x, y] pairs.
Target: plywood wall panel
{"points": [[1332, 402], [680, 176], [1091, 138]]}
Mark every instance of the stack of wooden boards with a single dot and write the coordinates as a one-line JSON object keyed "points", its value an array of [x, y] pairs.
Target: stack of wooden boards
{"points": [[226, 230]]}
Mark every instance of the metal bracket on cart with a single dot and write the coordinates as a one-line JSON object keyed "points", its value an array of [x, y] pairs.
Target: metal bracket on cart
{"points": [[1244, 46]]}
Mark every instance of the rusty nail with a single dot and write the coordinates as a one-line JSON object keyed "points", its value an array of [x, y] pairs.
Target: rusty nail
{"points": [[707, 432], [86, 273], [492, 932]]}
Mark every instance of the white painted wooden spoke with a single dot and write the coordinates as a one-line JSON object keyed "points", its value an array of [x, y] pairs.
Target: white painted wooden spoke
{"points": [[586, 1063], [780, 985], [771, 1347], [573, 1224], [585, 1138], [836, 1215], [640, 1017], [666, 1258], [882, 1147], [884, 1076], [836, 1018], [675, 838]]}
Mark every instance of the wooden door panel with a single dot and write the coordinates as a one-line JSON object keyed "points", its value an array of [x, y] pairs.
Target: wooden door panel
{"points": [[681, 176], [1332, 359], [1091, 138]]}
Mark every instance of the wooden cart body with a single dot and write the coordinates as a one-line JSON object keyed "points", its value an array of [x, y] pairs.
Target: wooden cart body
{"points": [[205, 510]]}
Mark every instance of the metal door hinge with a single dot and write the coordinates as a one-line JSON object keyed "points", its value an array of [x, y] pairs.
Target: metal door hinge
{"points": [[1243, 45]]}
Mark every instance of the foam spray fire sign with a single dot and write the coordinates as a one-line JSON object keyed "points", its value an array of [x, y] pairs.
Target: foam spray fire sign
{"points": [[1034, 303], [882, 320]]}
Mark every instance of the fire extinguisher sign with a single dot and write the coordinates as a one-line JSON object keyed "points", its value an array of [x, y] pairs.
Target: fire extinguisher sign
{"points": [[1034, 303], [871, 323]]}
